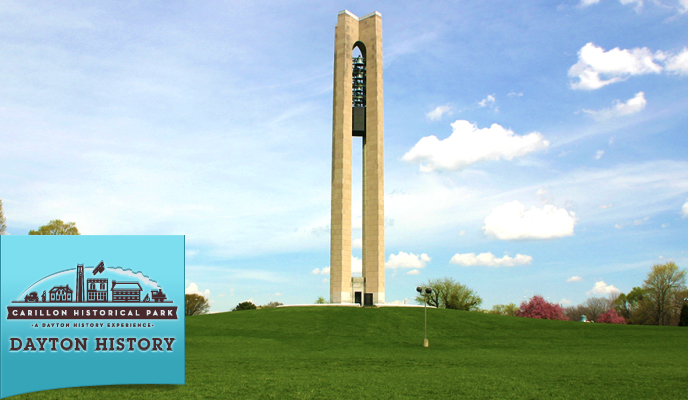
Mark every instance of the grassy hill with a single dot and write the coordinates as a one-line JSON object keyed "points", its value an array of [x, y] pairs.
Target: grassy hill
{"points": [[377, 353]]}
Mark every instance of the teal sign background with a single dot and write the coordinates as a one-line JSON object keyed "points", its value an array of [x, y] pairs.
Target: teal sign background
{"points": [[25, 260]]}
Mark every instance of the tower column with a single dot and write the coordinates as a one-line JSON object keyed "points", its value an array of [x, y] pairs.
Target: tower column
{"points": [[350, 32], [370, 33]]}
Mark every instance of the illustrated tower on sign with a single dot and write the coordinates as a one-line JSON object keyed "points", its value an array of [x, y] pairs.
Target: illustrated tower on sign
{"points": [[79, 283], [357, 111]]}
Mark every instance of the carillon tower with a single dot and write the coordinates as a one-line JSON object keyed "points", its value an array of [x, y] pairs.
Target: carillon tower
{"points": [[79, 283], [357, 111]]}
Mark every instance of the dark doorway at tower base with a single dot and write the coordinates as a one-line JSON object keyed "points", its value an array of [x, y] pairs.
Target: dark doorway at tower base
{"points": [[368, 299]]}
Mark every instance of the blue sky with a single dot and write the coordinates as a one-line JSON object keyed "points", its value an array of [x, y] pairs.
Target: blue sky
{"points": [[531, 147]]}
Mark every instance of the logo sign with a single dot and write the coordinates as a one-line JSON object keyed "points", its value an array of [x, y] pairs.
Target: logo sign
{"points": [[90, 310]]}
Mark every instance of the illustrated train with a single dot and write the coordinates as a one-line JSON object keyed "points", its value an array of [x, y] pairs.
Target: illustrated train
{"points": [[157, 295]]}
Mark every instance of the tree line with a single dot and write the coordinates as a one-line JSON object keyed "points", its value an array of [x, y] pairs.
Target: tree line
{"points": [[662, 299], [54, 227]]}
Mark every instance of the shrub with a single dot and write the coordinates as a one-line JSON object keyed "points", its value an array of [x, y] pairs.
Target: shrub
{"points": [[272, 304], [247, 305], [683, 321], [539, 308], [611, 317]]}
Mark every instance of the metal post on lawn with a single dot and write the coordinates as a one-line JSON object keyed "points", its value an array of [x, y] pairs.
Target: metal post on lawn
{"points": [[425, 306]]}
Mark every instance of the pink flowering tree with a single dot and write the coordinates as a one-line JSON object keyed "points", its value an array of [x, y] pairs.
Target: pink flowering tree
{"points": [[539, 308], [611, 317]]}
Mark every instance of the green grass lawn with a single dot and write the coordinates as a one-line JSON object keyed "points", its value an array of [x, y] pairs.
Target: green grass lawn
{"points": [[377, 353]]}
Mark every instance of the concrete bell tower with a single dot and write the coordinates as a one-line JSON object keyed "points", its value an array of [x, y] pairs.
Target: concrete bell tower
{"points": [[357, 111]]}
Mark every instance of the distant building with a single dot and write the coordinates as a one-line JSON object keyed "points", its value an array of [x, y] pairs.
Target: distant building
{"points": [[126, 291], [97, 290], [61, 293]]}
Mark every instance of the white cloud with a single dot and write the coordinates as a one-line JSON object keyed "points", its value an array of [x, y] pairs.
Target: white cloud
{"points": [[489, 260], [599, 154], [512, 94], [640, 221], [619, 109], [684, 209], [574, 279], [325, 280], [463, 232], [603, 206], [511, 221], [438, 112], [488, 101], [564, 301], [597, 68], [678, 63], [193, 289], [413, 272], [638, 3], [357, 243], [683, 6], [407, 260], [618, 226], [585, 3], [318, 271], [602, 288], [278, 294], [467, 145], [356, 265]]}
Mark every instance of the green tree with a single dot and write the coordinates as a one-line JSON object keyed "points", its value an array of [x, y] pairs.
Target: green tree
{"points": [[625, 304], [661, 286], [448, 293], [56, 227], [272, 304], [195, 304], [321, 300], [3, 227], [504, 309], [247, 305], [635, 306]]}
